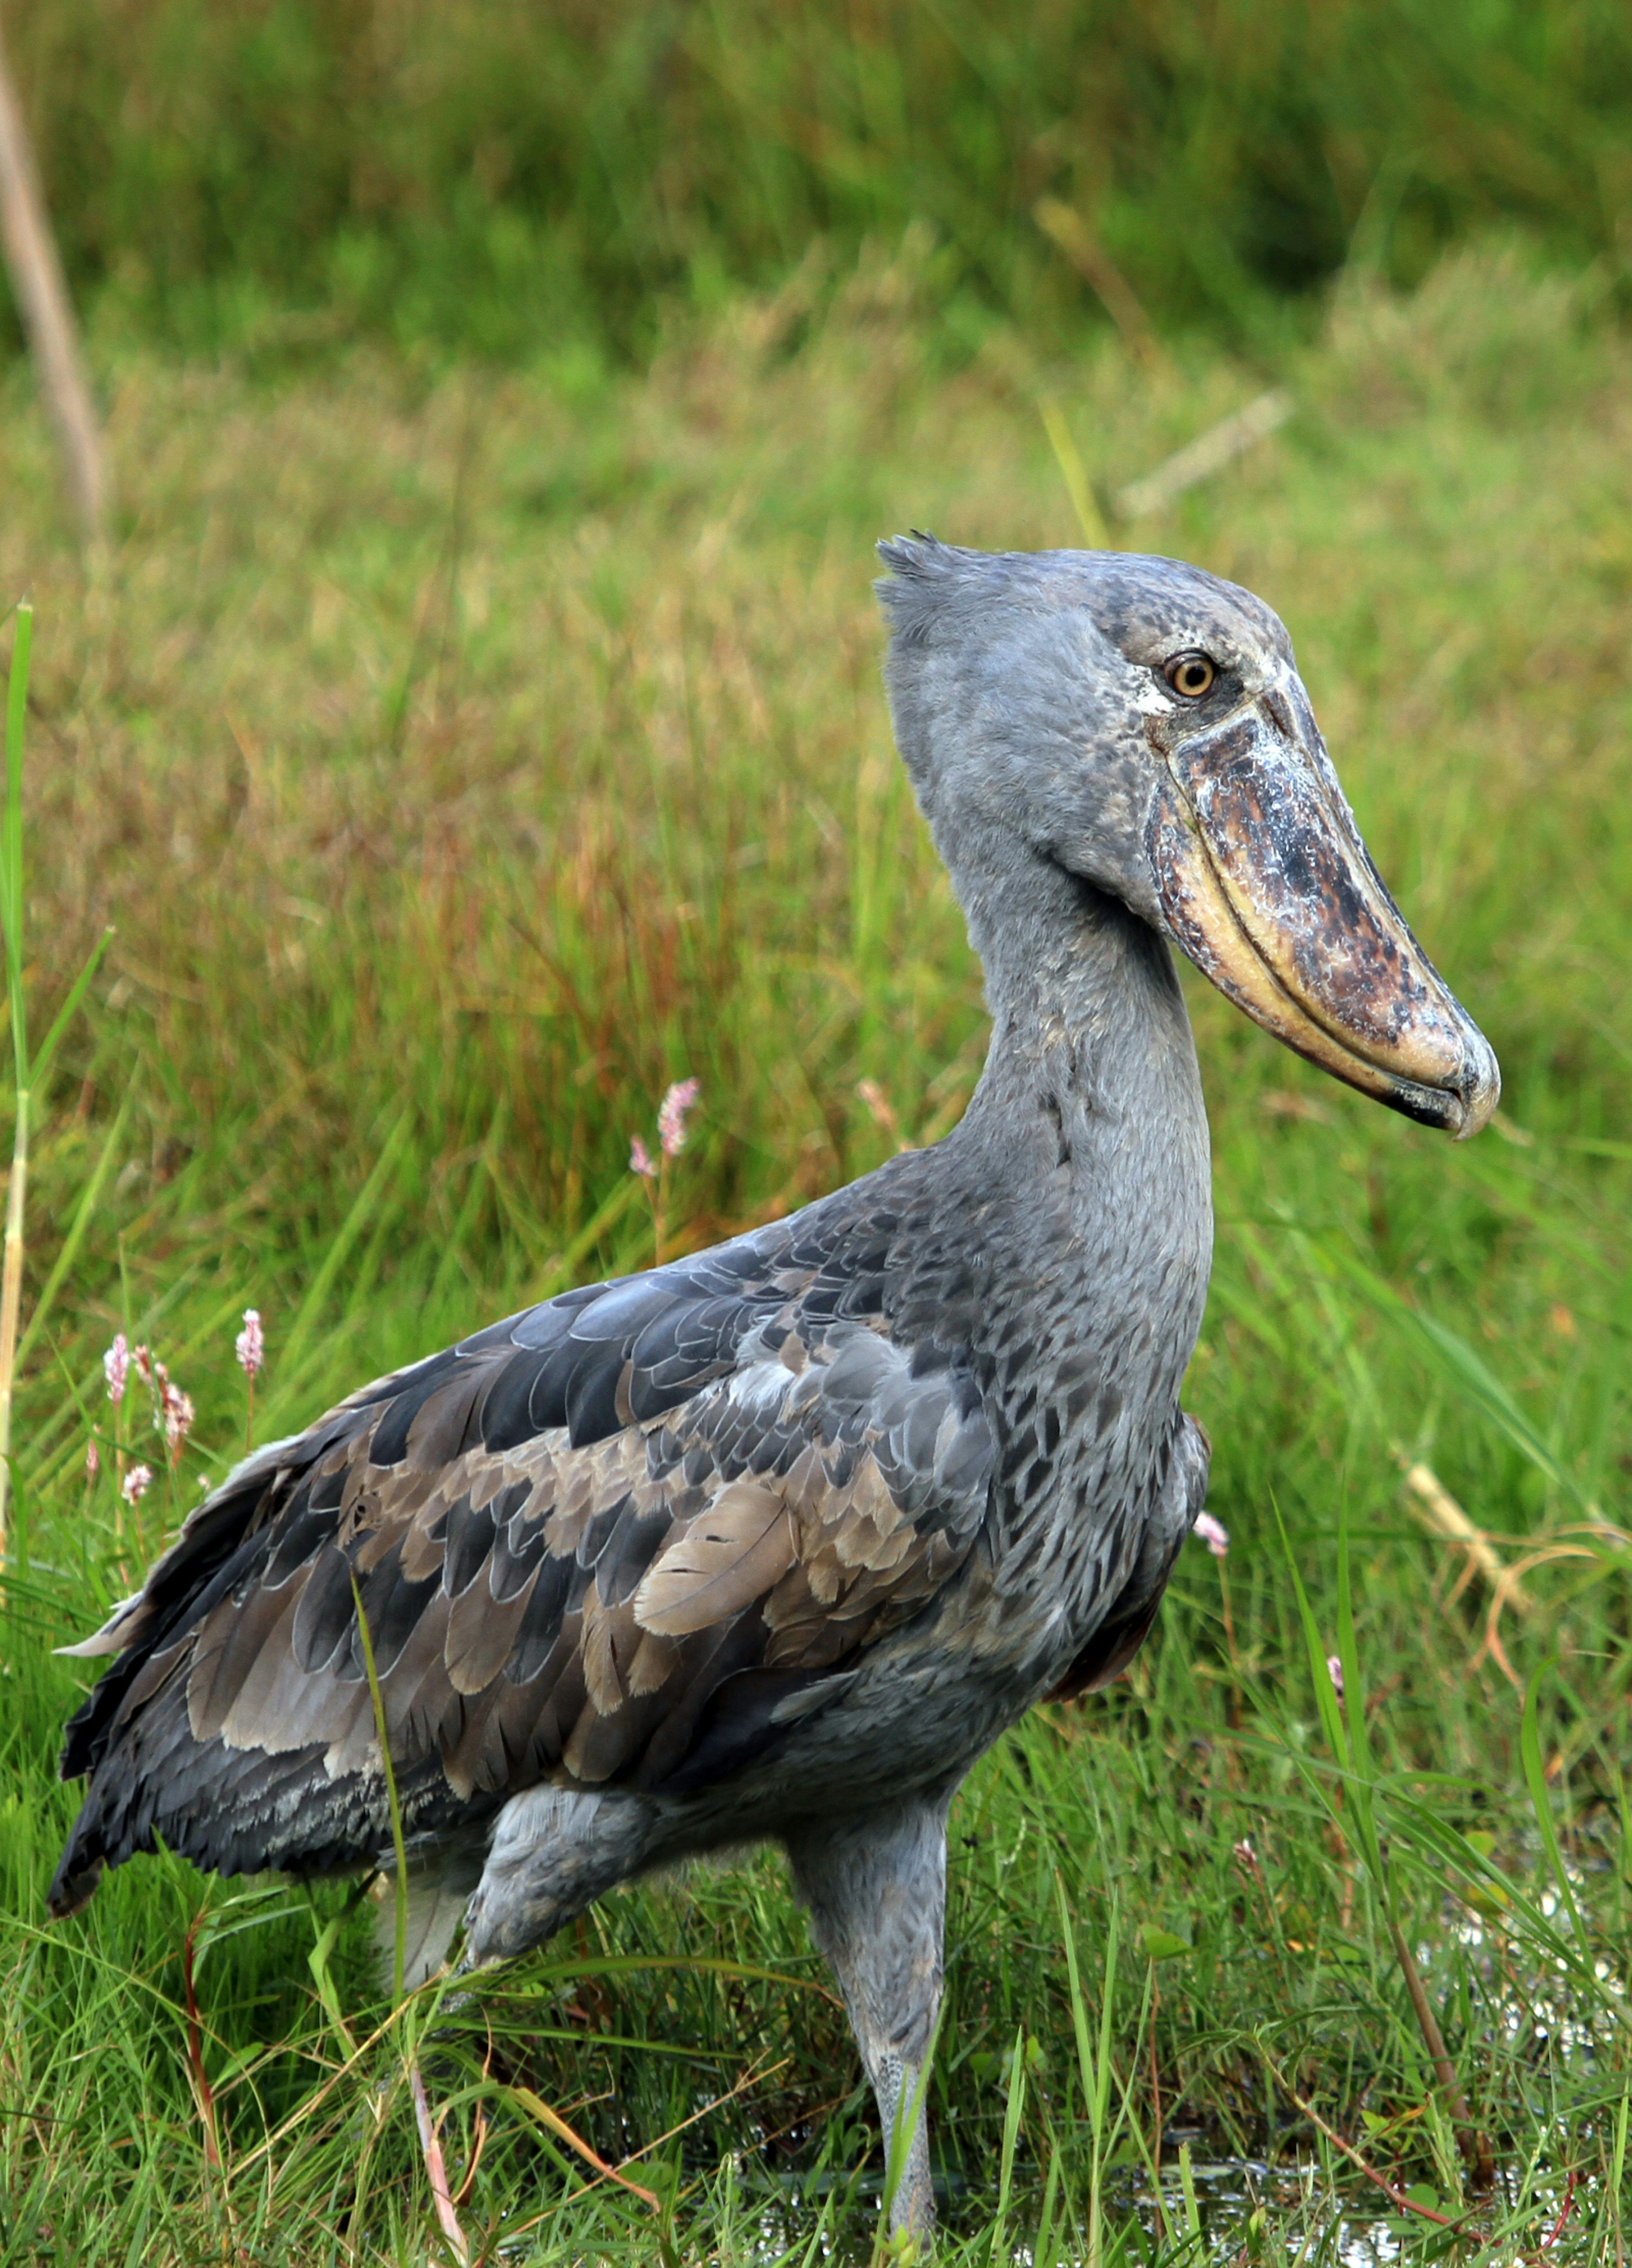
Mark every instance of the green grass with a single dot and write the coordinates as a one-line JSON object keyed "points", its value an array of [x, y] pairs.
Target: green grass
{"points": [[282, 177], [458, 763]]}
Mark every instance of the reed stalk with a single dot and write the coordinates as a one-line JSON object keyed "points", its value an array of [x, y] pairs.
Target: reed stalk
{"points": [[11, 927], [29, 1071]]}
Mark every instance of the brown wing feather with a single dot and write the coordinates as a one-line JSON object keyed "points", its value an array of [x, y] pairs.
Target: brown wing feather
{"points": [[568, 1535], [671, 1571], [720, 1564]]}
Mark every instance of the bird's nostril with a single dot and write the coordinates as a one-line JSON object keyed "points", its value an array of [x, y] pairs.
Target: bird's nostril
{"points": [[1278, 709]]}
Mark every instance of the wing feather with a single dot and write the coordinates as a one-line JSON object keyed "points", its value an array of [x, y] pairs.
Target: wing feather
{"points": [[483, 1631], [720, 1564], [610, 1540], [236, 1653]]}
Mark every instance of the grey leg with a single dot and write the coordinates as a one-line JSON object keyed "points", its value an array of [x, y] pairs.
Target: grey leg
{"points": [[554, 1851], [440, 1878], [876, 1887]]}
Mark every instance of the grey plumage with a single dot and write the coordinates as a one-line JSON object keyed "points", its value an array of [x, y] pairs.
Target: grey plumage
{"points": [[774, 1541]]}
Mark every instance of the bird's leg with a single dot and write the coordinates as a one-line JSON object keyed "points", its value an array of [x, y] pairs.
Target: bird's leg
{"points": [[875, 1888], [441, 1874]]}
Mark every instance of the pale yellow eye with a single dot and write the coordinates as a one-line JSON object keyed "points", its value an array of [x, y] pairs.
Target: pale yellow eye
{"points": [[1190, 675]]}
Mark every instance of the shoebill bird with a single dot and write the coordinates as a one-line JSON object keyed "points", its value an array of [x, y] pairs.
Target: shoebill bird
{"points": [[773, 1542]]}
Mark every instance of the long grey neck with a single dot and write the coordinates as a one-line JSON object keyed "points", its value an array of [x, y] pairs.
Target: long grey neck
{"points": [[1082, 1173], [1088, 1029]]}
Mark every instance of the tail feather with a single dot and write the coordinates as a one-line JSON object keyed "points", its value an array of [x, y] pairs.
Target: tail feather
{"points": [[238, 1811]]}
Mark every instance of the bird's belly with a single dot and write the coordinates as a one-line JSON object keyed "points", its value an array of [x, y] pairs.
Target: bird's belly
{"points": [[917, 1716]]}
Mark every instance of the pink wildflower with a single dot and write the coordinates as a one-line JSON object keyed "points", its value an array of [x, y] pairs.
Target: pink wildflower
{"points": [[1213, 1533], [116, 1368], [641, 1159], [177, 1413], [1335, 1671], [250, 1345], [672, 1113], [94, 1460], [173, 1410], [136, 1483]]}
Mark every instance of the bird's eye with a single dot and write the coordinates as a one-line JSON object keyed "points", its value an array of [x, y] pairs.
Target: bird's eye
{"points": [[1190, 675]]}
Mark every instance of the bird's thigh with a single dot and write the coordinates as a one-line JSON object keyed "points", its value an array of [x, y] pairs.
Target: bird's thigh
{"points": [[554, 1851]]}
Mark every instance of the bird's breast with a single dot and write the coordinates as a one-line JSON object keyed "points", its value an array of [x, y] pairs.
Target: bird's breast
{"points": [[1093, 1331]]}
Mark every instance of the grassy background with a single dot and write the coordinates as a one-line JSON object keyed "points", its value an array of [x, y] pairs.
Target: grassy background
{"points": [[279, 176], [477, 725], [461, 761]]}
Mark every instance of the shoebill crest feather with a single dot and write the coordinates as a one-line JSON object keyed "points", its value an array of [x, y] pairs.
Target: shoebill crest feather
{"points": [[773, 1542]]}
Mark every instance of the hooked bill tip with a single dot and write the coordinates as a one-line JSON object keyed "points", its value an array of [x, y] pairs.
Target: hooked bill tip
{"points": [[1481, 1090], [1460, 1105]]}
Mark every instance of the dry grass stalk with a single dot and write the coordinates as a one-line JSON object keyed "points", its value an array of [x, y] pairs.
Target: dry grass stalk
{"points": [[1397, 2197], [537, 2107], [1443, 1516], [1065, 226], [43, 302], [1472, 2143], [1217, 447], [202, 2092], [882, 1112], [431, 2147]]}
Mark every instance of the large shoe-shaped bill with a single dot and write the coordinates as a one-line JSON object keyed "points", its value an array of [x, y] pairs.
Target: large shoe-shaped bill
{"points": [[1268, 888]]}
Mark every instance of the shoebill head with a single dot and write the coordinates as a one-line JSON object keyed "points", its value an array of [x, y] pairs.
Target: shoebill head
{"points": [[1141, 726]]}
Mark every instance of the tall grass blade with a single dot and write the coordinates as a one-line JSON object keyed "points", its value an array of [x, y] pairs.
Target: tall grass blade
{"points": [[1089, 518], [1462, 1369], [1013, 2108], [343, 1239], [84, 1213], [47, 1052], [1541, 1804], [399, 1959], [12, 841], [11, 930]]}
